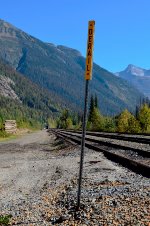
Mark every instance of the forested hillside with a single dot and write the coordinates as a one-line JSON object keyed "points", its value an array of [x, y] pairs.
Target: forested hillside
{"points": [[30, 105], [60, 70]]}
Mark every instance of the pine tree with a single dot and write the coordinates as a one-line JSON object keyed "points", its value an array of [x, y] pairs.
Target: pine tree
{"points": [[97, 121], [96, 101], [137, 111], [92, 105]]}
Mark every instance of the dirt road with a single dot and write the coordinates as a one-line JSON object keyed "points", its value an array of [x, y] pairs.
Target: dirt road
{"points": [[28, 163], [36, 160]]}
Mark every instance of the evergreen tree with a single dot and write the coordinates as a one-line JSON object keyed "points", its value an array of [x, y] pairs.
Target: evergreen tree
{"points": [[137, 111], [97, 121], [96, 101], [79, 118], [92, 105]]}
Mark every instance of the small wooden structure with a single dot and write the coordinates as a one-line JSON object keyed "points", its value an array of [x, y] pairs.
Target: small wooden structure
{"points": [[10, 126]]}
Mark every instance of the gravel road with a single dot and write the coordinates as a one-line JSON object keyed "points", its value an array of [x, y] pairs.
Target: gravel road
{"points": [[27, 163], [38, 177]]}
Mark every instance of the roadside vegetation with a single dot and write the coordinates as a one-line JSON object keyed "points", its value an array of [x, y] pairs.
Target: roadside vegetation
{"points": [[4, 220], [125, 122], [3, 134], [26, 118]]}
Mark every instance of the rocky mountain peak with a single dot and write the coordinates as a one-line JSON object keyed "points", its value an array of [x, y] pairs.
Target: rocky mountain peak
{"points": [[6, 29], [60, 70], [134, 70], [5, 24], [138, 77]]}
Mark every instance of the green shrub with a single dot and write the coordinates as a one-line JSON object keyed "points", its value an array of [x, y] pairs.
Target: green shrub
{"points": [[4, 220], [3, 134], [109, 124]]}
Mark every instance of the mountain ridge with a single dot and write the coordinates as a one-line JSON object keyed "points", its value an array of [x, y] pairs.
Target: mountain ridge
{"points": [[137, 76], [60, 70], [17, 87]]}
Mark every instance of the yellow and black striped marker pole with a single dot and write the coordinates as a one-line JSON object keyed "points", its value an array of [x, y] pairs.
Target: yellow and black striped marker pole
{"points": [[88, 76]]}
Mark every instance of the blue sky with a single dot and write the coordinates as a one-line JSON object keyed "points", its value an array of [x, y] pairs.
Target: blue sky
{"points": [[122, 32]]}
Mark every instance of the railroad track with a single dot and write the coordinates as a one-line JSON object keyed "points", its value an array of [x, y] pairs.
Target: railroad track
{"points": [[90, 136], [145, 139], [135, 159]]}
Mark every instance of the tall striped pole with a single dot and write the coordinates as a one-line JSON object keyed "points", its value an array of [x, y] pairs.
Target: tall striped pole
{"points": [[88, 76]]}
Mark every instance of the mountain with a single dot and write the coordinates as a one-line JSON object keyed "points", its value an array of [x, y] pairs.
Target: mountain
{"points": [[6, 89], [21, 99], [60, 70], [139, 77]]}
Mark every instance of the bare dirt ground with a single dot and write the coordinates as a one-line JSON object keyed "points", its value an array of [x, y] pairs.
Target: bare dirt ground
{"points": [[36, 159], [27, 163], [37, 165]]}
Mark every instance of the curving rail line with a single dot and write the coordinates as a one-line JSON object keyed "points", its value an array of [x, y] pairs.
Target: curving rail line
{"points": [[138, 138], [135, 159]]}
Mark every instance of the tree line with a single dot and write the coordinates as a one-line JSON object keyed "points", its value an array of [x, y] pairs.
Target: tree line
{"points": [[125, 122]]}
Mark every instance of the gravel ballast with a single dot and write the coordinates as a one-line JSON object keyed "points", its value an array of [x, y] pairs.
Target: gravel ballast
{"points": [[38, 186]]}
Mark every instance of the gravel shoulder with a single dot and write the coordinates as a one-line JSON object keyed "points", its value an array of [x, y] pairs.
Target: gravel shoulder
{"points": [[29, 162], [38, 180]]}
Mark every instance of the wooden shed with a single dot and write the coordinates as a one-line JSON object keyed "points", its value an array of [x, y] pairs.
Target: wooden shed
{"points": [[10, 126]]}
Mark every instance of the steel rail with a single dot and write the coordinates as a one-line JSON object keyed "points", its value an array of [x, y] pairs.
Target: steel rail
{"points": [[141, 152], [129, 163], [115, 136]]}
